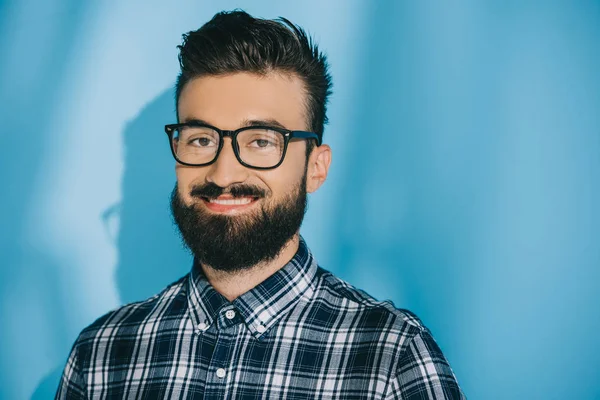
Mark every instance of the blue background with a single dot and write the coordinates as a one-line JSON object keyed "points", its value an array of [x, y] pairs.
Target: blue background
{"points": [[465, 180]]}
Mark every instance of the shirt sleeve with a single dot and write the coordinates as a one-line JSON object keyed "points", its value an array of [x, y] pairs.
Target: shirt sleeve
{"points": [[72, 384], [424, 373]]}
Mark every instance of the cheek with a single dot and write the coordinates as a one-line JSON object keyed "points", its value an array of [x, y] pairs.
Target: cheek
{"points": [[186, 177], [296, 160], [285, 179]]}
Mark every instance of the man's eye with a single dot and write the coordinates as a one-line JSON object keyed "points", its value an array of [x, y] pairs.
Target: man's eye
{"points": [[262, 143], [201, 142]]}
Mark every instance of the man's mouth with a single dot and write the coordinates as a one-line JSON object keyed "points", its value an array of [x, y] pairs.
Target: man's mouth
{"points": [[232, 202], [228, 204]]}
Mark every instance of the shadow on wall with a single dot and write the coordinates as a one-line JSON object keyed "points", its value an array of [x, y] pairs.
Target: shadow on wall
{"points": [[47, 388], [150, 252]]}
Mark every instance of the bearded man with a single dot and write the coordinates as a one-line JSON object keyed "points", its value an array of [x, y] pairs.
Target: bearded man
{"points": [[256, 317]]}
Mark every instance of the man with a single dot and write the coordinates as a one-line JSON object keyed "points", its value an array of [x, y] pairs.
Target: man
{"points": [[256, 317]]}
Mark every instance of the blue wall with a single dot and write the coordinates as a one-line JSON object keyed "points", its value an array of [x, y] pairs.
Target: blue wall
{"points": [[465, 182]]}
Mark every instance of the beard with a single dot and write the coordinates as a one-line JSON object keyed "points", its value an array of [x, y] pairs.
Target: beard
{"points": [[238, 242]]}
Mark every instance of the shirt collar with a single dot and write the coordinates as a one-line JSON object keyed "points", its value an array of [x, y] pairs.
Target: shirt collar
{"points": [[262, 306]]}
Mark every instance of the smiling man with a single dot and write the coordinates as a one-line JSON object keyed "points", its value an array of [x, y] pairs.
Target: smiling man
{"points": [[256, 317]]}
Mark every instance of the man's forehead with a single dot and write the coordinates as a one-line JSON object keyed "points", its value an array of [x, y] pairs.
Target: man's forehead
{"points": [[243, 99]]}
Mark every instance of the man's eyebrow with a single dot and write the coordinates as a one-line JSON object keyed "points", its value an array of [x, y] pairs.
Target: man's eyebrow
{"points": [[247, 122], [187, 120], [263, 122]]}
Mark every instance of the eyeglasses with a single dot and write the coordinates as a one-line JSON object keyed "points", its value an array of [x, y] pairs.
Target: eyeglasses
{"points": [[260, 147]]}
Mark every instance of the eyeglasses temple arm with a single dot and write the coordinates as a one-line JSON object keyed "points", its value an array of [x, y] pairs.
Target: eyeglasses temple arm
{"points": [[306, 135]]}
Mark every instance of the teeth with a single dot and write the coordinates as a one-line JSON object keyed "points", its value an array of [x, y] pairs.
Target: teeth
{"points": [[232, 202]]}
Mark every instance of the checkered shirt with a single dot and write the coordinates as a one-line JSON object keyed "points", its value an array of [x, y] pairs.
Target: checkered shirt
{"points": [[300, 334]]}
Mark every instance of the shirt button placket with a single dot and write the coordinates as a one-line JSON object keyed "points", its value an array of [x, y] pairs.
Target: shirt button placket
{"points": [[226, 328]]}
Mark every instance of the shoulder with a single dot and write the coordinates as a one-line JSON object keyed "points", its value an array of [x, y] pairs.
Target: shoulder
{"points": [[416, 363], [171, 301], [372, 311]]}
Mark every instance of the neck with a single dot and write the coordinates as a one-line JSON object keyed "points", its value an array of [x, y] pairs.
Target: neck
{"points": [[233, 284]]}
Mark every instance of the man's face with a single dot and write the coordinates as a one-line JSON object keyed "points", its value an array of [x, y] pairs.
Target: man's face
{"points": [[233, 217]]}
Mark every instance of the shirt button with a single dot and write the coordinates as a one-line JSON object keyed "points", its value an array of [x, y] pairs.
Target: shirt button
{"points": [[202, 326], [261, 328], [230, 314], [221, 373]]}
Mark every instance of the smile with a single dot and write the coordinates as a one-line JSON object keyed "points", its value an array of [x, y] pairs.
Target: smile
{"points": [[229, 205], [232, 202]]}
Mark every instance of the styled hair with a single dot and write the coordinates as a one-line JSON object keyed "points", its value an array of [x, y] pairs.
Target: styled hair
{"points": [[237, 42]]}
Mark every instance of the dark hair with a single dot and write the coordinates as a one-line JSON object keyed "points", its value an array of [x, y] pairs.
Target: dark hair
{"points": [[237, 42]]}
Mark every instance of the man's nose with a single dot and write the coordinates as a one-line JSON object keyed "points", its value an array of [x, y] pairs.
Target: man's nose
{"points": [[227, 170]]}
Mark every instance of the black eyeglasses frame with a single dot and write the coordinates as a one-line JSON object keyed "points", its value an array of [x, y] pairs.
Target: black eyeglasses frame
{"points": [[287, 136]]}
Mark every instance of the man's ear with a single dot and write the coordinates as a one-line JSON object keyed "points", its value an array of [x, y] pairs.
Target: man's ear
{"points": [[318, 167]]}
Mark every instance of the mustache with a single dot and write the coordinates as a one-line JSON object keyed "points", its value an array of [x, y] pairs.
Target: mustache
{"points": [[212, 191]]}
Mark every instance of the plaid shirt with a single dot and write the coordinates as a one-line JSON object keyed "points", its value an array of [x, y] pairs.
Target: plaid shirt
{"points": [[300, 334]]}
